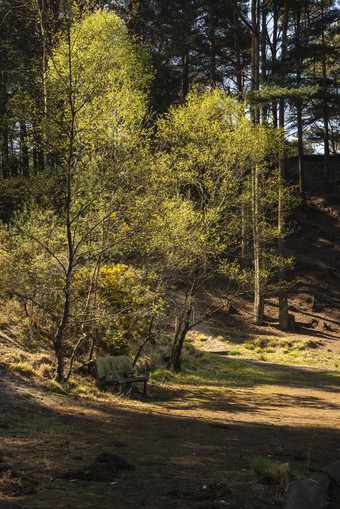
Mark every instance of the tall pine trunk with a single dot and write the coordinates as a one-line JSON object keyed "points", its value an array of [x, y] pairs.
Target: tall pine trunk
{"points": [[237, 50], [264, 59], [185, 75], [4, 125], [301, 165], [212, 44], [255, 84], [276, 13], [255, 56], [283, 302], [327, 175], [25, 170], [41, 5], [258, 293]]}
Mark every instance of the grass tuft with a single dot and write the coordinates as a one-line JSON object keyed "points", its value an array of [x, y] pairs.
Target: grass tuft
{"points": [[270, 472]]}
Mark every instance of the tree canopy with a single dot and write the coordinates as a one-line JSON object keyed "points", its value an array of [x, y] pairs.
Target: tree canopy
{"points": [[143, 149]]}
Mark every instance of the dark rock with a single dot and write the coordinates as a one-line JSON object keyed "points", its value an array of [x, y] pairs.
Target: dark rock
{"points": [[322, 479], [114, 460], [333, 472], [215, 491], [306, 494], [106, 467]]}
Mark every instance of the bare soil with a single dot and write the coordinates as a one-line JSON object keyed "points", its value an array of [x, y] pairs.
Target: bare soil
{"points": [[189, 446]]}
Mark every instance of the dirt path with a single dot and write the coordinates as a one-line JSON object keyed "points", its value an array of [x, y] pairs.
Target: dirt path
{"points": [[191, 446]]}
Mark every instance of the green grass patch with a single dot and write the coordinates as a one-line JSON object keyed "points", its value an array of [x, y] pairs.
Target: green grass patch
{"points": [[205, 368], [291, 349], [261, 464]]}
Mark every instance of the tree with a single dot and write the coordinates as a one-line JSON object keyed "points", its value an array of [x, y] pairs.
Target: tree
{"points": [[95, 87], [205, 152], [321, 71], [19, 47]]}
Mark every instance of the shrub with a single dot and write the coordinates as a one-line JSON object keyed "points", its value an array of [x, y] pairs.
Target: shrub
{"points": [[124, 304]]}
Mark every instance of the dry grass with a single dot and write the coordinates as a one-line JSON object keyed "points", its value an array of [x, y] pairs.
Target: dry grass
{"points": [[14, 484]]}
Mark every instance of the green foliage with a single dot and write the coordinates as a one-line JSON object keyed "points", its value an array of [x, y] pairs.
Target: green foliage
{"points": [[123, 306], [95, 103], [13, 196], [96, 85], [171, 203], [206, 149]]}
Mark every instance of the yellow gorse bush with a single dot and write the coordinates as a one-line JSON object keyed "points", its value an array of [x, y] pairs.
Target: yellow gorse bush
{"points": [[122, 300]]}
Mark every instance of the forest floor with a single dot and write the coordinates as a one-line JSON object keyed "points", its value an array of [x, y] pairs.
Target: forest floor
{"points": [[190, 442], [190, 445]]}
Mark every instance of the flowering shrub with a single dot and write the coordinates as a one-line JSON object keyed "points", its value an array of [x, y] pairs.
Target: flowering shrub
{"points": [[121, 307]]}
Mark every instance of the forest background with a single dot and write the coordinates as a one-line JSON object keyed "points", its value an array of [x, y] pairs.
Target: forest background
{"points": [[143, 149]]}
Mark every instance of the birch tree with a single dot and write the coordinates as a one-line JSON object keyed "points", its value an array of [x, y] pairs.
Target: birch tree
{"points": [[95, 86]]}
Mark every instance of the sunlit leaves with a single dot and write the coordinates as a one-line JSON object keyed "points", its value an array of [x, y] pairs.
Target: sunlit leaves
{"points": [[97, 86]]}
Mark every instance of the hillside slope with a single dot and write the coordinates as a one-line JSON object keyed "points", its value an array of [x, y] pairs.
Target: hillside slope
{"points": [[314, 300], [315, 245]]}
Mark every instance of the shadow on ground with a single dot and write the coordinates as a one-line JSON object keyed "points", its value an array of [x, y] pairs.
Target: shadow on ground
{"points": [[175, 455]]}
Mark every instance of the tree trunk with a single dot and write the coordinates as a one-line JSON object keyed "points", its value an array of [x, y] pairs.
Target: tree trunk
{"points": [[255, 48], [258, 294], [184, 326], [25, 170], [276, 13], [60, 336], [185, 75], [299, 106], [301, 163], [264, 59], [4, 126], [181, 330], [283, 302], [327, 176], [237, 50], [146, 340], [42, 156], [41, 10], [244, 236], [4, 149], [212, 44]]}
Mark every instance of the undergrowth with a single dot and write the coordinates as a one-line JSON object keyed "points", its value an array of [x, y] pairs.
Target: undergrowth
{"points": [[198, 367]]}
